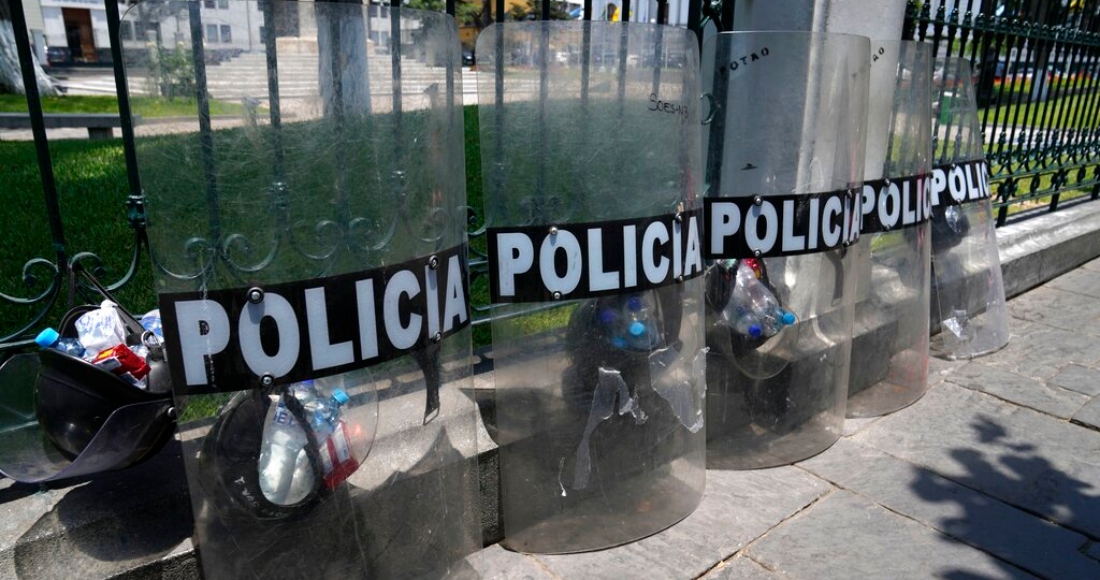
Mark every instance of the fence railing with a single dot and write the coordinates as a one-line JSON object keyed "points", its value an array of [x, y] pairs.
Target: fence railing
{"points": [[1037, 77], [1038, 85]]}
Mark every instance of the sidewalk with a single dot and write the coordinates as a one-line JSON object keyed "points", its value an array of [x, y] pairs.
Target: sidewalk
{"points": [[995, 473]]}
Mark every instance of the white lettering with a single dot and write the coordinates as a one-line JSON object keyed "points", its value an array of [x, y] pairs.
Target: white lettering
{"points": [[286, 322], [403, 282], [203, 331], [323, 353], [598, 279], [368, 325], [516, 255], [655, 271], [568, 243]]}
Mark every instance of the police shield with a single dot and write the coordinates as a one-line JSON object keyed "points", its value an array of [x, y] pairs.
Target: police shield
{"points": [[306, 223], [968, 298], [890, 333], [785, 166], [590, 148]]}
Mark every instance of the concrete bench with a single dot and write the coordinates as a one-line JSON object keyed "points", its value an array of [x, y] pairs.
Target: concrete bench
{"points": [[99, 125]]}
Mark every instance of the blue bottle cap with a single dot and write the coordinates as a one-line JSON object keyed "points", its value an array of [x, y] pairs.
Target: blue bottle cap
{"points": [[788, 318], [340, 397], [607, 316], [618, 342], [637, 328], [47, 337], [755, 331], [635, 303]]}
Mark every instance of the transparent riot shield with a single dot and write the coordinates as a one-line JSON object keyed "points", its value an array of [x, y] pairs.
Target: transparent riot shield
{"points": [[785, 162], [890, 333], [968, 297], [590, 150], [306, 221]]}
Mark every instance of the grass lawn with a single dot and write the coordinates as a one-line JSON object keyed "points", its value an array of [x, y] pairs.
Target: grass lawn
{"points": [[149, 106]]}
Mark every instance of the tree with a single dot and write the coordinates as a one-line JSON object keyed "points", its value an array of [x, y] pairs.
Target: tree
{"points": [[11, 75], [533, 11]]}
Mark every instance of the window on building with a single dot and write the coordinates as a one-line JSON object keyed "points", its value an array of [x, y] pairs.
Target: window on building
{"points": [[227, 34], [209, 4], [211, 33], [223, 4], [125, 30], [263, 34]]}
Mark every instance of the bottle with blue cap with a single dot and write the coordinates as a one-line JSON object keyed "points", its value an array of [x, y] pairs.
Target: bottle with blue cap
{"points": [[50, 338]]}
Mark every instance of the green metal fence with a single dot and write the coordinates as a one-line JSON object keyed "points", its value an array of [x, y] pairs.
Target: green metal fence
{"points": [[1036, 69]]}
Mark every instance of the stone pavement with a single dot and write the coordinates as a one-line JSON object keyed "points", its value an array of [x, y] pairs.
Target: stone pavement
{"points": [[994, 474]]}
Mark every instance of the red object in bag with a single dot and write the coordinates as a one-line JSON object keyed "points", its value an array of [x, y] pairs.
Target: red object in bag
{"points": [[337, 460], [119, 359]]}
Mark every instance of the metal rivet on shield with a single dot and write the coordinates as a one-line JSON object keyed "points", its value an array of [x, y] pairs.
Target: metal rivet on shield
{"points": [[680, 279], [557, 295], [255, 295], [847, 243], [172, 413], [757, 200], [433, 262], [553, 230], [437, 337], [756, 253], [266, 380], [886, 182], [679, 217]]}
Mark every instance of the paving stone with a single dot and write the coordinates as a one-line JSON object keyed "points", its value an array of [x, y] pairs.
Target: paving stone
{"points": [[741, 568], [1034, 544], [1021, 390], [1082, 281], [1078, 378], [1089, 414], [853, 426], [496, 563], [1030, 460], [939, 369], [1044, 351], [845, 536], [1056, 307], [738, 507]]}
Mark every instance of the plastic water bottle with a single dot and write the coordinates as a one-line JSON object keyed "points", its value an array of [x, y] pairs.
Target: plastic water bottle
{"points": [[49, 338], [151, 321], [751, 294], [101, 328], [282, 452], [747, 325]]}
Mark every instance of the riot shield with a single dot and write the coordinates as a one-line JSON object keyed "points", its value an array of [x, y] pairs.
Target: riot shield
{"points": [[784, 166], [590, 148], [890, 333], [307, 226], [968, 297]]}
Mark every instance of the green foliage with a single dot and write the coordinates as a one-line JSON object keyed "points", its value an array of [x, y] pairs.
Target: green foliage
{"points": [[171, 73], [533, 11]]}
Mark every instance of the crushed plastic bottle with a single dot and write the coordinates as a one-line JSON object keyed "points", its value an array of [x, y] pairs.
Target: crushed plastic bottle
{"points": [[283, 450], [101, 329], [49, 338], [151, 321]]}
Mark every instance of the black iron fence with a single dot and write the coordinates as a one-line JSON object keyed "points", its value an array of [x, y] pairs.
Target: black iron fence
{"points": [[1036, 69], [1037, 76]]}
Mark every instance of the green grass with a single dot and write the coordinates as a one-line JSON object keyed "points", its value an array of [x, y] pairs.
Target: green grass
{"points": [[92, 191], [150, 107], [1066, 112]]}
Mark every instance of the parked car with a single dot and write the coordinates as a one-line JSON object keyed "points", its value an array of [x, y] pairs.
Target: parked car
{"points": [[56, 55]]}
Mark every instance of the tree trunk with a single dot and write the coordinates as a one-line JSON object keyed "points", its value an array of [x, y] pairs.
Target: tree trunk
{"points": [[11, 75]]}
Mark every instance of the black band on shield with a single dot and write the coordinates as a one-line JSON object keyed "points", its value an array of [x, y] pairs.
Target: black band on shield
{"points": [[547, 263], [229, 340], [780, 225], [959, 183], [892, 204]]}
